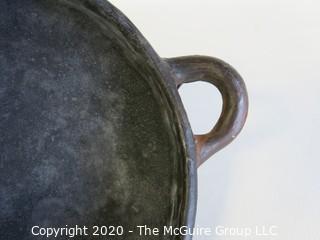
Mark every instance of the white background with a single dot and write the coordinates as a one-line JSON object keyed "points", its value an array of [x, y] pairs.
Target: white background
{"points": [[271, 174]]}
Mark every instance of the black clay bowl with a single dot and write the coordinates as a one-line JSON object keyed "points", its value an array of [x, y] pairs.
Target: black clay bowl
{"points": [[92, 129]]}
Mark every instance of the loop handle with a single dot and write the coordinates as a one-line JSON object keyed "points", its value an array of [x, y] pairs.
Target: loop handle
{"points": [[234, 94]]}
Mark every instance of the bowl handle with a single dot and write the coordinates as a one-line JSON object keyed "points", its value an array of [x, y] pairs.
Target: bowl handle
{"points": [[234, 94]]}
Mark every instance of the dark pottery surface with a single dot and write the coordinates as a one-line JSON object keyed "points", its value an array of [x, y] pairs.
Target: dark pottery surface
{"points": [[92, 129]]}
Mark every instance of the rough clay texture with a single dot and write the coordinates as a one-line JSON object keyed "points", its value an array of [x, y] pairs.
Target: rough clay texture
{"points": [[84, 139]]}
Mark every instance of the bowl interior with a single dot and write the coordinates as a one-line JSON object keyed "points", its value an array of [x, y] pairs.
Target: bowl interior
{"points": [[87, 137]]}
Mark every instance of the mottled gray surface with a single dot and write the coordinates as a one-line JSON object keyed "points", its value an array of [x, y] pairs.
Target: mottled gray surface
{"points": [[83, 137]]}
